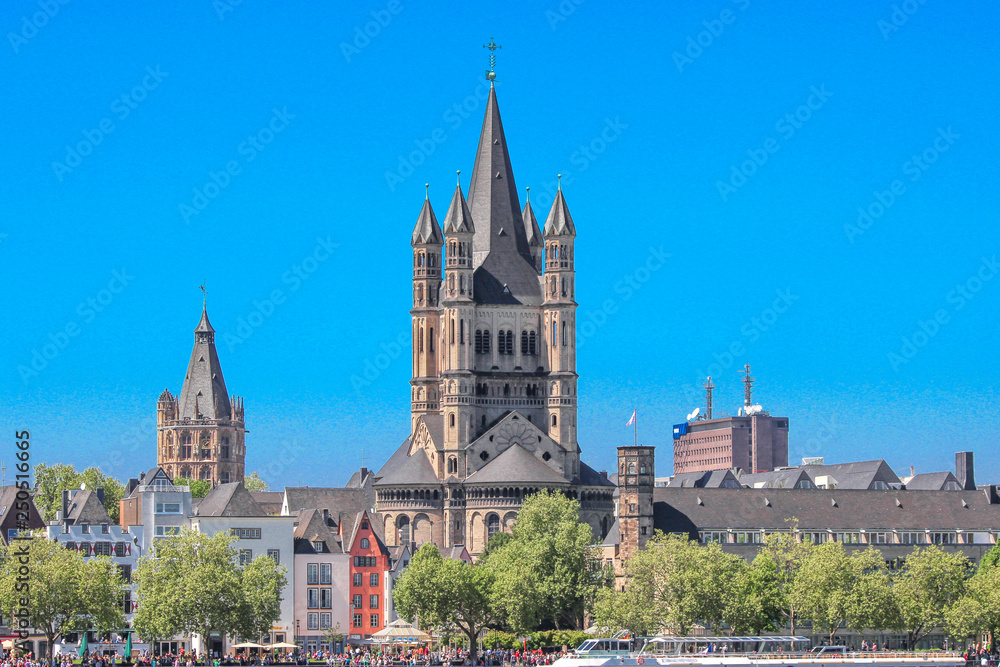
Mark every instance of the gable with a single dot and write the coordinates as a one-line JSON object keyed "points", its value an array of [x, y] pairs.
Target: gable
{"points": [[515, 429]]}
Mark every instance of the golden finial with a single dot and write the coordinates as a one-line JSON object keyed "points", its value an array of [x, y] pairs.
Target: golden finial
{"points": [[492, 46]]}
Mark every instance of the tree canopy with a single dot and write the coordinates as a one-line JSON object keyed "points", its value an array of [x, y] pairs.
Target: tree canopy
{"points": [[52, 480]]}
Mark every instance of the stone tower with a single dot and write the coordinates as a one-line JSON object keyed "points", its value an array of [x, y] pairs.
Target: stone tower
{"points": [[201, 434], [493, 391], [636, 479]]}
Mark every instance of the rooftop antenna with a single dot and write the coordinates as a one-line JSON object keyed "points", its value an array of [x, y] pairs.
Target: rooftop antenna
{"points": [[708, 397], [492, 46], [747, 386]]}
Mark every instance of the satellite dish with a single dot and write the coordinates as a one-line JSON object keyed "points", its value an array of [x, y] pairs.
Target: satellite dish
{"points": [[694, 414], [83, 486]]}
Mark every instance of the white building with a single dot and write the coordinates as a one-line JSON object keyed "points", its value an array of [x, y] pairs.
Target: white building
{"points": [[322, 578], [156, 504]]}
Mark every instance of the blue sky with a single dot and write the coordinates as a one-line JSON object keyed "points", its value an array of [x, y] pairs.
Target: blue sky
{"points": [[822, 176]]}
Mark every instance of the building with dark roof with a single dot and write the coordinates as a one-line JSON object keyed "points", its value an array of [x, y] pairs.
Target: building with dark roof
{"points": [[494, 385], [14, 520], [200, 434]]}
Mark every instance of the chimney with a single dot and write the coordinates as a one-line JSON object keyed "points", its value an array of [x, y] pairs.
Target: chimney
{"points": [[65, 502], [913, 471], [965, 471], [326, 517], [100, 495]]}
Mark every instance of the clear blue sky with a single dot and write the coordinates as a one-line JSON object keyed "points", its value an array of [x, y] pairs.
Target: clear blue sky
{"points": [[818, 108]]}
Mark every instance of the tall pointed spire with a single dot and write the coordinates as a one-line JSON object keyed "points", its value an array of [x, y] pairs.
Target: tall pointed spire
{"points": [[559, 222], [533, 232], [458, 219], [204, 395], [426, 231]]}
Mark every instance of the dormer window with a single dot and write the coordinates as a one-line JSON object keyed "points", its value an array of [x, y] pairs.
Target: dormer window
{"points": [[85, 528], [318, 546]]}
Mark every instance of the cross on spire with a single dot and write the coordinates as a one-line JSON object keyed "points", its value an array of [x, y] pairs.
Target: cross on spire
{"points": [[492, 46]]}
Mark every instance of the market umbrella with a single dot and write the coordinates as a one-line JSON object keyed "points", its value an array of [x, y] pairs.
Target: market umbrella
{"points": [[248, 645], [128, 647], [83, 645], [399, 631], [7, 644], [282, 645]]}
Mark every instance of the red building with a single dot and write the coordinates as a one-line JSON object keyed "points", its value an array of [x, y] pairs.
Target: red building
{"points": [[369, 569]]}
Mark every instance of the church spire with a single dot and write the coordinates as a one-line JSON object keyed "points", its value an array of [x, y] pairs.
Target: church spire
{"points": [[204, 395], [426, 231], [533, 232]]}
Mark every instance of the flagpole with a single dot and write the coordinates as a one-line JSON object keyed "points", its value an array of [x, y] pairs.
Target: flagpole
{"points": [[635, 425]]}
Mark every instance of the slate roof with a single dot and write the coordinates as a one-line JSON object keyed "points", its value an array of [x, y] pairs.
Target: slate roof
{"points": [[204, 395], [691, 510], [856, 475], [590, 477], [614, 535], [455, 552], [776, 479], [931, 481], [85, 507], [360, 478], [531, 229], [269, 501], [312, 527], [516, 465], [401, 468], [504, 271], [426, 231], [559, 222], [231, 499], [335, 500], [712, 479], [458, 220]]}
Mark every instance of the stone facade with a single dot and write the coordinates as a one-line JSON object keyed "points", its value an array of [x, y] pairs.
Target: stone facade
{"points": [[494, 387], [200, 434]]}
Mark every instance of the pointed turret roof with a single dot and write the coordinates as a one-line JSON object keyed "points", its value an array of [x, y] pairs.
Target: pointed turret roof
{"points": [[459, 218], [505, 272], [531, 229], [559, 222], [204, 394], [426, 231]]}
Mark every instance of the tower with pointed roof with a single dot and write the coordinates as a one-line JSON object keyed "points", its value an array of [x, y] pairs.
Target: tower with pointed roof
{"points": [[494, 381], [200, 434]]}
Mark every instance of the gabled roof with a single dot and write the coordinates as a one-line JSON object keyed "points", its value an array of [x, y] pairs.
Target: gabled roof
{"points": [[333, 499], [505, 272], [269, 501], [415, 469], [455, 552], [313, 527], [231, 499], [855, 475], [204, 394], [932, 481], [356, 527], [360, 478], [516, 465], [458, 220], [712, 479], [426, 231], [614, 535], [559, 222], [85, 507]]}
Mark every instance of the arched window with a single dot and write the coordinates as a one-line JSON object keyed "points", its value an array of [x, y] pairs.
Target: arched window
{"points": [[510, 342], [531, 343], [461, 332], [365, 543], [452, 332], [420, 293], [555, 420], [492, 525], [564, 287], [524, 342], [564, 334], [631, 468], [453, 420], [486, 341], [206, 474], [479, 341], [403, 529], [420, 339], [555, 338], [430, 339], [452, 464]]}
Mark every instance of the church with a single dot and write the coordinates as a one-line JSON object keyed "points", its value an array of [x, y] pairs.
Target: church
{"points": [[494, 384]]}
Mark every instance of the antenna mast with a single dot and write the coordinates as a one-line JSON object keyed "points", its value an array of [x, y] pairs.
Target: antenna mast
{"points": [[747, 386], [708, 397]]}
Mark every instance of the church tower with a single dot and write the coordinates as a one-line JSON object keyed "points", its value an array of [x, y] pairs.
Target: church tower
{"points": [[200, 434], [636, 480], [494, 365]]}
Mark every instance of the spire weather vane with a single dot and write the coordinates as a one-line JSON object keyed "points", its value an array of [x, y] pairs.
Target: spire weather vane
{"points": [[492, 46], [204, 294]]}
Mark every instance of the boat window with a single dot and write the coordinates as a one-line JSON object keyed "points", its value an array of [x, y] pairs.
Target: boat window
{"points": [[585, 646]]}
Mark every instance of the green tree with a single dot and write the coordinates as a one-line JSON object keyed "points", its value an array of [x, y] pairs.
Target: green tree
{"points": [[65, 592], [445, 593], [629, 610], [547, 573], [786, 553], [929, 583], [199, 487], [978, 610], [194, 585], [52, 480], [253, 482], [753, 603]]}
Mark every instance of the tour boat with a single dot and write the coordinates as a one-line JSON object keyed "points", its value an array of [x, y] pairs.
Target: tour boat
{"points": [[780, 651]]}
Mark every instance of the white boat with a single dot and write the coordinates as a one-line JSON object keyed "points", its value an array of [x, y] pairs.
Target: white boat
{"points": [[765, 651]]}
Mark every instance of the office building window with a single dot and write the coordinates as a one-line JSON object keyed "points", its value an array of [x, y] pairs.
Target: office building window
{"points": [[168, 508]]}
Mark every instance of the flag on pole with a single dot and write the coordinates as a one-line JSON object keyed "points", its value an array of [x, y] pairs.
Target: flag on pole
{"points": [[631, 419]]}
